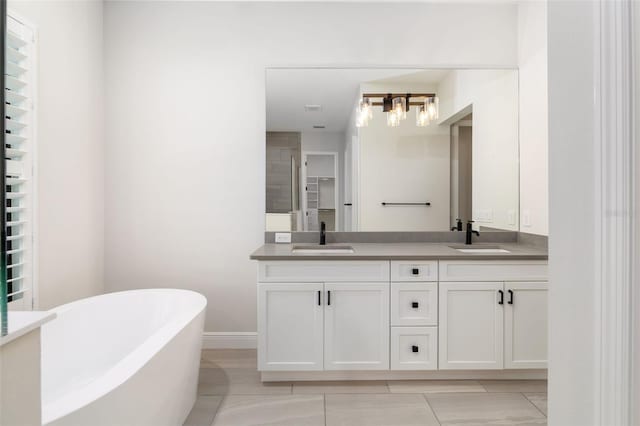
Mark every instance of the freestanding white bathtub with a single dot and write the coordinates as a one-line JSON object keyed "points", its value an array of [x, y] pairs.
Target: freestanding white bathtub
{"points": [[127, 359]]}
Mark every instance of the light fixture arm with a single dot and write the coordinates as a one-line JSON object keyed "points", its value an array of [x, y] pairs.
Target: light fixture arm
{"points": [[387, 102], [396, 95]]}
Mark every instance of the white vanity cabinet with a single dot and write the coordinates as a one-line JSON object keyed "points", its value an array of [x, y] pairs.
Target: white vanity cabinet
{"points": [[494, 316], [290, 326], [414, 315], [319, 315], [356, 326], [349, 315], [471, 326], [525, 325]]}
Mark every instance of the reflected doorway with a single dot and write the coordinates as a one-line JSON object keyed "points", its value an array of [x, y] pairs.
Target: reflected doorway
{"points": [[461, 170], [320, 174]]}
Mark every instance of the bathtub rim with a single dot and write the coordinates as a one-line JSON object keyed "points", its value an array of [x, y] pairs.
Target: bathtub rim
{"points": [[125, 368]]}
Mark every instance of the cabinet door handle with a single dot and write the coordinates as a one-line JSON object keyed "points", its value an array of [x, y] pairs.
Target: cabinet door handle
{"points": [[510, 297], [414, 349], [415, 305], [319, 298], [501, 299], [329, 297], [415, 271]]}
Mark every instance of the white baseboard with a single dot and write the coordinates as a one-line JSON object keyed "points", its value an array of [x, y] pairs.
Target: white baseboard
{"points": [[315, 376], [229, 340]]}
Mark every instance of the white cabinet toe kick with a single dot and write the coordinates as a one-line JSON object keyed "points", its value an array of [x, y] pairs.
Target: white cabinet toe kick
{"points": [[376, 320]]}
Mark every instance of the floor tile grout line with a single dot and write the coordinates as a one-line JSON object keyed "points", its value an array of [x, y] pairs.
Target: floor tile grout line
{"points": [[431, 408], [531, 402], [324, 399]]}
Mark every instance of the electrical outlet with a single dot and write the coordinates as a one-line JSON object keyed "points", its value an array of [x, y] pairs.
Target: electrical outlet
{"points": [[526, 218], [283, 237], [511, 217]]}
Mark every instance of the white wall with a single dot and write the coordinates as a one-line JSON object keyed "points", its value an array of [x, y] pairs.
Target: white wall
{"points": [[534, 144], [403, 164], [494, 97], [70, 143], [573, 298], [185, 171]]}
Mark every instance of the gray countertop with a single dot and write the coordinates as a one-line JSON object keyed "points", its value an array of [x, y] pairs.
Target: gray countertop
{"points": [[404, 251]]}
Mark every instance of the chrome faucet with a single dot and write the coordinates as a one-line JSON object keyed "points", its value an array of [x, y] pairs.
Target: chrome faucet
{"points": [[323, 234], [470, 232]]}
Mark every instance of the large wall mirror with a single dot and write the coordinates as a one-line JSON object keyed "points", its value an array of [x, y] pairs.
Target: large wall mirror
{"points": [[391, 149]]}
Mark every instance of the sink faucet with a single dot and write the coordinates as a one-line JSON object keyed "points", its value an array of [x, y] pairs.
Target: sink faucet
{"points": [[470, 232], [458, 226], [323, 234]]}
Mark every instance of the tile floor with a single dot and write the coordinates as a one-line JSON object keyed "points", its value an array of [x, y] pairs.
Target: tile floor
{"points": [[230, 394]]}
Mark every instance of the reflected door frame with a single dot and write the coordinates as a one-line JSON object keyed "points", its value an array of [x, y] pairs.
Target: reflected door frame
{"points": [[303, 187]]}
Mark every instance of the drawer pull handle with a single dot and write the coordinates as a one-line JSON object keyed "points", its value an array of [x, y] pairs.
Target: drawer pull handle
{"points": [[415, 305], [414, 349], [319, 298], [329, 297], [415, 271]]}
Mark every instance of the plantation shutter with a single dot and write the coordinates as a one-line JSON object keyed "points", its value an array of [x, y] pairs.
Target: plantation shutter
{"points": [[20, 152]]}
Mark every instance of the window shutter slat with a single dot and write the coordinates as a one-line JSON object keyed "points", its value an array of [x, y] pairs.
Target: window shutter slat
{"points": [[19, 155]]}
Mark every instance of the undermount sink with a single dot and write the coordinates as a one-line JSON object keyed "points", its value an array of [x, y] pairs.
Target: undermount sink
{"points": [[318, 249], [483, 249]]}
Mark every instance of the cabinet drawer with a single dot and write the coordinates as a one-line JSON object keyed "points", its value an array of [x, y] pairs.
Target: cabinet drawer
{"points": [[414, 304], [323, 271], [414, 348], [487, 270], [414, 271]]}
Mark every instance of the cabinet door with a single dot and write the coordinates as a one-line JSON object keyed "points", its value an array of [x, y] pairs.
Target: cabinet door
{"points": [[471, 326], [525, 326], [356, 326], [290, 322]]}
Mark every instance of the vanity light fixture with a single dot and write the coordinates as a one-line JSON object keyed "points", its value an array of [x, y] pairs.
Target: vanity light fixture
{"points": [[422, 117], [400, 106], [433, 107], [364, 112], [396, 106], [393, 118]]}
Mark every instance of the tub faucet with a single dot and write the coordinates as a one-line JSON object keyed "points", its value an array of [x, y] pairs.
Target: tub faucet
{"points": [[323, 234], [470, 232]]}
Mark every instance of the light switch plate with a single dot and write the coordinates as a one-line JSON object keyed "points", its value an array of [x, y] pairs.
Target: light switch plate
{"points": [[484, 215], [511, 217], [283, 237], [489, 216], [526, 218]]}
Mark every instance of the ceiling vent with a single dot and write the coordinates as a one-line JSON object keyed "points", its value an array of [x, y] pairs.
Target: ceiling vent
{"points": [[313, 108]]}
